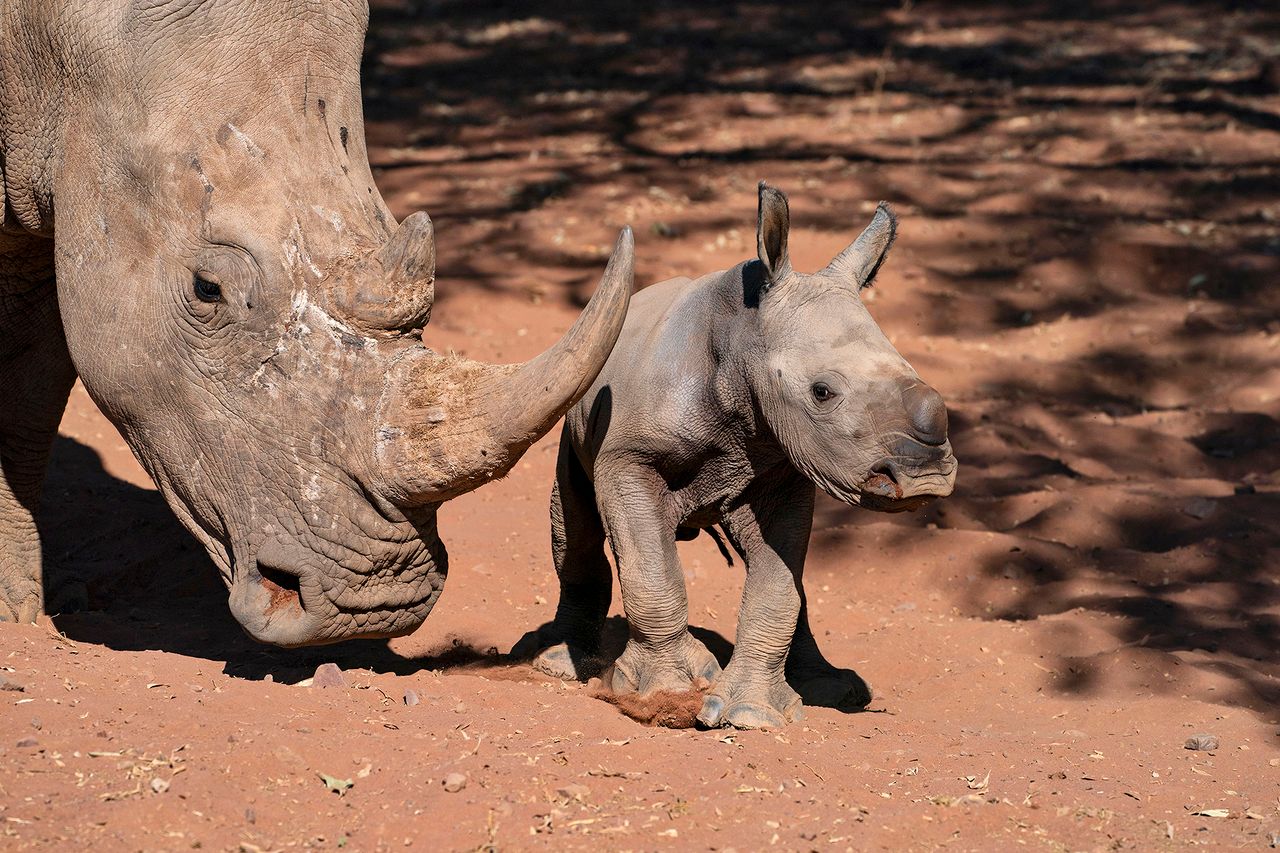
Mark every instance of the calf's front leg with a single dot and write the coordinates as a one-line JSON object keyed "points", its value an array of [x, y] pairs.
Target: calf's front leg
{"points": [[752, 692], [661, 654]]}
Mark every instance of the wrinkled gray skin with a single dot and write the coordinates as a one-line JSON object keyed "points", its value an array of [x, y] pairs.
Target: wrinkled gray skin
{"points": [[725, 400], [190, 225]]}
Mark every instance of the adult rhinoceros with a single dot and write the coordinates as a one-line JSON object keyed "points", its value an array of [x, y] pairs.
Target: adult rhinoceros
{"points": [[190, 225]]}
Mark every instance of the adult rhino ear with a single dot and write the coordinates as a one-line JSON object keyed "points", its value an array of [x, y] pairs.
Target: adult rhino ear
{"points": [[860, 262], [772, 226]]}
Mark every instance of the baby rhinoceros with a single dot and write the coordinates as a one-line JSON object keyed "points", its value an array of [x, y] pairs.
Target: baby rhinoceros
{"points": [[726, 399]]}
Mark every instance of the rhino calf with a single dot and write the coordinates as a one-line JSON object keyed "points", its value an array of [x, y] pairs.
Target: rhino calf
{"points": [[724, 402]]}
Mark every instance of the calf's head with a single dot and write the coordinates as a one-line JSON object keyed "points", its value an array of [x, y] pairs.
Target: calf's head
{"points": [[846, 407], [240, 302]]}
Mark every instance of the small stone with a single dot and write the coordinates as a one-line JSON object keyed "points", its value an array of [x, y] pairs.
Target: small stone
{"points": [[36, 724], [159, 785], [6, 684], [27, 743], [411, 698], [574, 792], [269, 678], [455, 782], [250, 815], [1202, 743], [328, 675], [1200, 507]]}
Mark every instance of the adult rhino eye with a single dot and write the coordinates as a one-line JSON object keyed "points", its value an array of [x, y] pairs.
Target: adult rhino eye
{"points": [[822, 392], [207, 291]]}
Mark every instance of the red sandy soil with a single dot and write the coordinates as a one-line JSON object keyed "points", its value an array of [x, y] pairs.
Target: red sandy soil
{"points": [[1086, 269]]}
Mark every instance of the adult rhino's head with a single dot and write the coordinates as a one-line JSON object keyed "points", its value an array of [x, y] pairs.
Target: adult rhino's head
{"points": [[240, 302], [847, 408]]}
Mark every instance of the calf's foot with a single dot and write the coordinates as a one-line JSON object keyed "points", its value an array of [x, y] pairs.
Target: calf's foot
{"points": [[747, 701], [684, 664], [568, 662], [549, 650]]}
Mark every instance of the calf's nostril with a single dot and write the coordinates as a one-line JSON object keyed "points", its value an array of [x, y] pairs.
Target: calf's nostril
{"points": [[927, 413]]}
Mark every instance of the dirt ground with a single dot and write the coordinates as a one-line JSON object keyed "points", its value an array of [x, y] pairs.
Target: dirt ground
{"points": [[1086, 268]]}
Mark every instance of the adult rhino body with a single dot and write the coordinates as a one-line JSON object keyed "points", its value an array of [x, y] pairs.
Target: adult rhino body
{"points": [[190, 225]]}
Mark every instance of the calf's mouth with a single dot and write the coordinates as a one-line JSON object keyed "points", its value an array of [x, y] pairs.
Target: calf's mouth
{"points": [[905, 483]]}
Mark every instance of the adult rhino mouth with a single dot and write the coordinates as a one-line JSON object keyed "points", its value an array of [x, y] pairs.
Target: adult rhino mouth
{"points": [[288, 595]]}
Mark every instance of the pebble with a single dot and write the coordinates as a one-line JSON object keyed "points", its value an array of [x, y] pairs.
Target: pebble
{"points": [[159, 785], [1200, 508], [574, 792], [6, 684], [27, 743], [1202, 743], [455, 782], [328, 675], [411, 698]]}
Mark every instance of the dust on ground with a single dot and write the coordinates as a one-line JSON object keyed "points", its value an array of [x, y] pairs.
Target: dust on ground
{"points": [[1086, 269]]}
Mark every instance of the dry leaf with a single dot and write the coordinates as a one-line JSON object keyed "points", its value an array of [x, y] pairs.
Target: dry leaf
{"points": [[338, 786], [976, 785]]}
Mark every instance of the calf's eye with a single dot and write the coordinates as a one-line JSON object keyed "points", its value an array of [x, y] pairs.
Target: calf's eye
{"points": [[822, 392], [207, 291]]}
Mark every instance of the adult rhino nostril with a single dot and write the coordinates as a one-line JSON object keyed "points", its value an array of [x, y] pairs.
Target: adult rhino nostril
{"points": [[927, 414], [284, 590]]}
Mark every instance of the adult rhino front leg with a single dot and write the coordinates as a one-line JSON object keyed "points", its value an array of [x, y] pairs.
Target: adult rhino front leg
{"points": [[36, 376]]}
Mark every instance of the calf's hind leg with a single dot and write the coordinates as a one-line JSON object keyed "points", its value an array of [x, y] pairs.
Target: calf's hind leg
{"points": [[566, 648], [819, 682], [36, 376]]}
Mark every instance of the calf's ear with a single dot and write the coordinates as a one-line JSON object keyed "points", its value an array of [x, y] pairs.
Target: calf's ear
{"points": [[860, 262], [773, 224]]}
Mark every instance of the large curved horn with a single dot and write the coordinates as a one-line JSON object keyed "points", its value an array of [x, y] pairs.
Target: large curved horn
{"points": [[448, 424], [392, 290]]}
